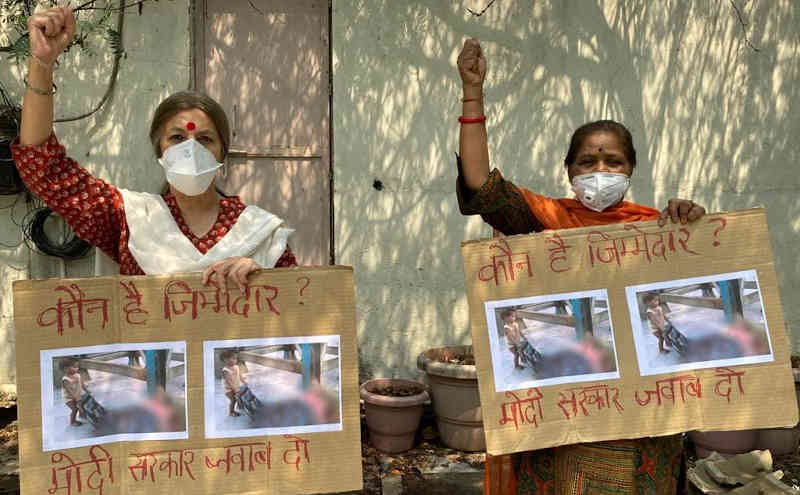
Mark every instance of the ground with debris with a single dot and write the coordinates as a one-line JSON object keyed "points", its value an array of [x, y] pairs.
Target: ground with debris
{"points": [[9, 465], [789, 464], [427, 469], [418, 470]]}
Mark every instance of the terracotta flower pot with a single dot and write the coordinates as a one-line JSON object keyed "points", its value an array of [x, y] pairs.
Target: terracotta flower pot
{"points": [[456, 402], [392, 421], [727, 443]]}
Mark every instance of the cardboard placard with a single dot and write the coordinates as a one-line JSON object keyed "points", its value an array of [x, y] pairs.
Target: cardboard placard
{"points": [[185, 388], [584, 310]]}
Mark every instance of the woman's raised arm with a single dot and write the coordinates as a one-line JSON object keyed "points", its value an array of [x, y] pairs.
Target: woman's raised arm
{"points": [[92, 207], [473, 145], [50, 32]]}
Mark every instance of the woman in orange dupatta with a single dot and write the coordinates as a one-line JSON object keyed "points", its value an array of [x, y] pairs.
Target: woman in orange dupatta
{"points": [[599, 162]]}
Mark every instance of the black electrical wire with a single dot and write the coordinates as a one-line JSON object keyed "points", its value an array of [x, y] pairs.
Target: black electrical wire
{"points": [[32, 202], [12, 111], [9, 120], [71, 249], [33, 235], [25, 222], [11, 205]]}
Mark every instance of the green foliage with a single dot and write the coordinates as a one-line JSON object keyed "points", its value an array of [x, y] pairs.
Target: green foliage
{"points": [[95, 27], [114, 39]]}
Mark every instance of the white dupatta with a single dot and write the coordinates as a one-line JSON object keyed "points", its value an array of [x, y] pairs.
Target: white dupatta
{"points": [[159, 247]]}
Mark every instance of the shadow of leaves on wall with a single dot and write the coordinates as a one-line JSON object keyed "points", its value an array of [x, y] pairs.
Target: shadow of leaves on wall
{"points": [[709, 115]]}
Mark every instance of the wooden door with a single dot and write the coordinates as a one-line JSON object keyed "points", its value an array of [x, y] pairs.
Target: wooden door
{"points": [[267, 62]]}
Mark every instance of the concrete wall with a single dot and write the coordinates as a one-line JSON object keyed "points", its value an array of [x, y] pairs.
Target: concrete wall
{"points": [[113, 143], [707, 92], [711, 117]]}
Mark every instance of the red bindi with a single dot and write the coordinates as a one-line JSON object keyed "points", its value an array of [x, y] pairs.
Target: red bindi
{"points": [[190, 126]]}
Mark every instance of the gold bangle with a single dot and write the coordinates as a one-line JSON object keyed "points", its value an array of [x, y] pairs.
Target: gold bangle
{"points": [[39, 91], [42, 63]]}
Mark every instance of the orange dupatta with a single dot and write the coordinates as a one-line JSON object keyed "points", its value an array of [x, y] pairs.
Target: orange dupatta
{"points": [[567, 213]]}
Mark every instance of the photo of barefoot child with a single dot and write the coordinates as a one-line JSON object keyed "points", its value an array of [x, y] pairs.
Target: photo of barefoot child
{"points": [[72, 387], [76, 396], [661, 326], [272, 386], [512, 333], [549, 340], [702, 322], [100, 394], [232, 379]]}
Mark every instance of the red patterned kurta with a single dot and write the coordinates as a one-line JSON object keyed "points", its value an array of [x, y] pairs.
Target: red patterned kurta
{"points": [[94, 209]]}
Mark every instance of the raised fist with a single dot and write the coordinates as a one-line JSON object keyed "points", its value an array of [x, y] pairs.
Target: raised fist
{"points": [[51, 32], [472, 65]]}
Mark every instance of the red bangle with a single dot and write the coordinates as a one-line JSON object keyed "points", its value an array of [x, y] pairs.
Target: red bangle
{"points": [[472, 120]]}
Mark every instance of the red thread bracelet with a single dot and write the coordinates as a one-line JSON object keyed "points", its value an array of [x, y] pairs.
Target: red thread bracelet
{"points": [[472, 120]]}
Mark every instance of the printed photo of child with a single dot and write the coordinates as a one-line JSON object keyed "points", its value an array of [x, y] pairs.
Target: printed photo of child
{"points": [[701, 322], [513, 334], [271, 386], [99, 394], [72, 387], [551, 339], [232, 378], [657, 319]]}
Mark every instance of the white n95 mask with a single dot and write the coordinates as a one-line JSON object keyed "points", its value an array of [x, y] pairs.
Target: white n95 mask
{"points": [[189, 166], [599, 190]]}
